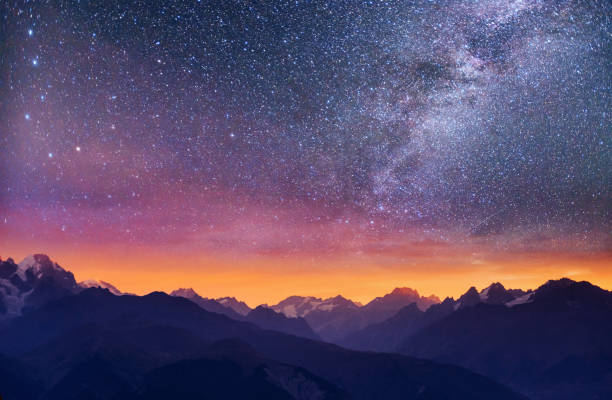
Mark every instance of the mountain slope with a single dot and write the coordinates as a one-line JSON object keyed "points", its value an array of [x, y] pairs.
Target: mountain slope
{"points": [[231, 369], [267, 318], [207, 304], [530, 345], [239, 306], [100, 284], [335, 318], [135, 334], [389, 333], [31, 283], [263, 317]]}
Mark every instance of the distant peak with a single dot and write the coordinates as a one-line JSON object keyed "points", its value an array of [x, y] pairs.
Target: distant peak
{"points": [[339, 299], [231, 302], [227, 298], [496, 285], [469, 298], [263, 308], [559, 283], [89, 283], [405, 291], [34, 259], [554, 285], [433, 298], [39, 264], [156, 294], [27, 262], [185, 292]]}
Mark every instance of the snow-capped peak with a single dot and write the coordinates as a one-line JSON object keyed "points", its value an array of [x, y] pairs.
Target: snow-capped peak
{"points": [[526, 298], [300, 306], [35, 263], [231, 302], [484, 295], [24, 265], [90, 283]]}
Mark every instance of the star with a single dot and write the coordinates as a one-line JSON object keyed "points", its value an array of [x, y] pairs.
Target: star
{"points": [[473, 123]]}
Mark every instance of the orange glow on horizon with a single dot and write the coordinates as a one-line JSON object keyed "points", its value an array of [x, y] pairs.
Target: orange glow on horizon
{"points": [[269, 279]]}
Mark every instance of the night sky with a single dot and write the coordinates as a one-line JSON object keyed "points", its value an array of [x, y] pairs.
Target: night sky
{"points": [[289, 145]]}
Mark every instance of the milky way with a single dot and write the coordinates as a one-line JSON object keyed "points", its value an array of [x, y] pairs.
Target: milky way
{"points": [[308, 126]]}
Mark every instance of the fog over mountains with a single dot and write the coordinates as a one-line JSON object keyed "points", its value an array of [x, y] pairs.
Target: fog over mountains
{"points": [[548, 343]]}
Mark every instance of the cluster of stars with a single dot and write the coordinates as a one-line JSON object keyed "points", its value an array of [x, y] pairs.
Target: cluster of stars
{"points": [[428, 119]]}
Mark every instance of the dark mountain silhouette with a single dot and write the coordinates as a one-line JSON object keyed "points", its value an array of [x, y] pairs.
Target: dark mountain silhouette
{"points": [[232, 369], [207, 304], [542, 347], [61, 341], [388, 334], [18, 381], [469, 298], [333, 317], [496, 293], [387, 305], [269, 319], [123, 338], [336, 317], [263, 317]]}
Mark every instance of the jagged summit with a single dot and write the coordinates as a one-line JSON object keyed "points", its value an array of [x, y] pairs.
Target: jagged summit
{"points": [[404, 291], [239, 306], [31, 283], [557, 283], [184, 292], [468, 299], [496, 293], [37, 265]]}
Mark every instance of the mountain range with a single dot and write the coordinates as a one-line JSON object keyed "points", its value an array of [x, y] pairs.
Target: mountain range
{"points": [[63, 339], [336, 317], [94, 344]]}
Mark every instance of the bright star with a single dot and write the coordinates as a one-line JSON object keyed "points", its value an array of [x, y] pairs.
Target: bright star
{"points": [[30, 32]]}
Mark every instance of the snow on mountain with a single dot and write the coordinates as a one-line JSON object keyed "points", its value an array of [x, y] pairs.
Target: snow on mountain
{"points": [[231, 302], [213, 305], [495, 293], [89, 283], [297, 306], [300, 306], [526, 298], [35, 263], [484, 294], [31, 283]]}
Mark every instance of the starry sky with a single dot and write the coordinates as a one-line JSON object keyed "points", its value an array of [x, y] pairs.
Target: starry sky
{"points": [[259, 147]]}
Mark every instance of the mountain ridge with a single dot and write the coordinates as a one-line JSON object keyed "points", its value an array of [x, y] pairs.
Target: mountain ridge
{"points": [[133, 334]]}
